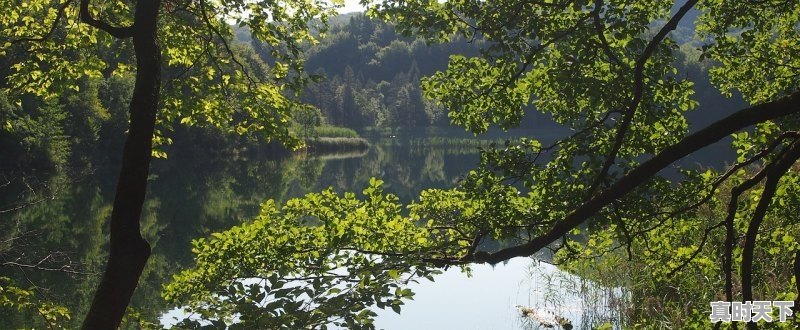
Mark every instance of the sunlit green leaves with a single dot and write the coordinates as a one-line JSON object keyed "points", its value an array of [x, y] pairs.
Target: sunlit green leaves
{"points": [[470, 79], [25, 300], [757, 46], [209, 79], [318, 260], [49, 66]]}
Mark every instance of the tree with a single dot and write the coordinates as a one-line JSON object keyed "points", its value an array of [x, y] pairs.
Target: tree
{"points": [[308, 118], [605, 70], [207, 83]]}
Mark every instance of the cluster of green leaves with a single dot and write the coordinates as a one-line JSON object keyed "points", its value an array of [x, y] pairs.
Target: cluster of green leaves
{"points": [[25, 301], [590, 66], [553, 56], [209, 80], [756, 46], [587, 64], [674, 269], [52, 59], [316, 261]]}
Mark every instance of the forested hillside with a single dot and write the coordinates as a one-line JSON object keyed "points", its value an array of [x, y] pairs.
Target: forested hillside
{"points": [[371, 75]]}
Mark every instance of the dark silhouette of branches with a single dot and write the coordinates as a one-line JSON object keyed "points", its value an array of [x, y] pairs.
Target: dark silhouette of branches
{"points": [[638, 93], [773, 176], [121, 32], [641, 174]]}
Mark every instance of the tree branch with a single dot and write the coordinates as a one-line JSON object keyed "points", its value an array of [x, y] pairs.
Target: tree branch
{"points": [[599, 29], [228, 49], [636, 177], [775, 173], [730, 228], [63, 269], [685, 262], [121, 32], [796, 269], [722, 178], [638, 93]]}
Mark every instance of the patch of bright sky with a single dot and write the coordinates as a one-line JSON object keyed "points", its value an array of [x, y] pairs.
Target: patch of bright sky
{"points": [[350, 6]]}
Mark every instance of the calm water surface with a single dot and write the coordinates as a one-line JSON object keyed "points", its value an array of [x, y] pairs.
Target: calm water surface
{"points": [[196, 192]]}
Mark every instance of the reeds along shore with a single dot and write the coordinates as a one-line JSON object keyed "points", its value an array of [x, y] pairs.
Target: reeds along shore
{"points": [[329, 144]]}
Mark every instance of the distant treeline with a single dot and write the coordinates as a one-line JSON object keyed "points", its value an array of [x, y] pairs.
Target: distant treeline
{"points": [[372, 75]]}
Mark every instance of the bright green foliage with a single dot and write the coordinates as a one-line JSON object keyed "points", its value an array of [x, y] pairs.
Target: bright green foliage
{"points": [[757, 46], [549, 56], [591, 65], [333, 131], [552, 57], [25, 301], [483, 108], [674, 269], [60, 59], [208, 79], [315, 261], [603, 69]]}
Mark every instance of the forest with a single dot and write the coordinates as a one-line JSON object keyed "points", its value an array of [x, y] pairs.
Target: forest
{"points": [[256, 164]]}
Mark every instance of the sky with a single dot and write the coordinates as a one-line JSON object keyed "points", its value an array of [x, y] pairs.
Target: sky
{"points": [[350, 6]]}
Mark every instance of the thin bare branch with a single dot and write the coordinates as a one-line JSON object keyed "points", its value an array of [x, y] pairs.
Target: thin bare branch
{"points": [[228, 49]]}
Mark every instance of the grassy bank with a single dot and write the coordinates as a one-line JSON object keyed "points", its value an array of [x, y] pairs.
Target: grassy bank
{"points": [[335, 139], [328, 131], [330, 144]]}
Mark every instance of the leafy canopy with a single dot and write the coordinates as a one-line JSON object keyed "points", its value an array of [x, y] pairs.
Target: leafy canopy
{"points": [[606, 70], [306, 264], [208, 80]]}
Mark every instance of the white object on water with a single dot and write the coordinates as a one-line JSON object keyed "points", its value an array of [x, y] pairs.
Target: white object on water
{"points": [[546, 318]]}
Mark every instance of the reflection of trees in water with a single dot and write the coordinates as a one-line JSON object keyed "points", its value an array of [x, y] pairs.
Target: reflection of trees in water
{"points": [[192, 193], [52, 232], [434, 166], [406, 169]]}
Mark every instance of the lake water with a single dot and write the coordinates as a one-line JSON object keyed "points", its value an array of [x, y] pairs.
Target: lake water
{"points": [[196, 192], [489, 298]]}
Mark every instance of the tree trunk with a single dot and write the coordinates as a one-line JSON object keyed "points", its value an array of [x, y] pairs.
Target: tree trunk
{"points": [[128, 250]]}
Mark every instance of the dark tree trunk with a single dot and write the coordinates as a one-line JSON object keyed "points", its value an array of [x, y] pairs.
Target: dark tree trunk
{"points": [[797, 283], [128, 250]]}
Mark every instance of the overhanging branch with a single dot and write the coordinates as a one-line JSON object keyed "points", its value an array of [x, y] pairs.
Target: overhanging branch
{"points": [[638, 93], [747, 117], [774, 174], [121, 32]]}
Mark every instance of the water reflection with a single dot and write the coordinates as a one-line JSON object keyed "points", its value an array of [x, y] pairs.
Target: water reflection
{"points": [[193, 193], [490, 299], [198, 191]]}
